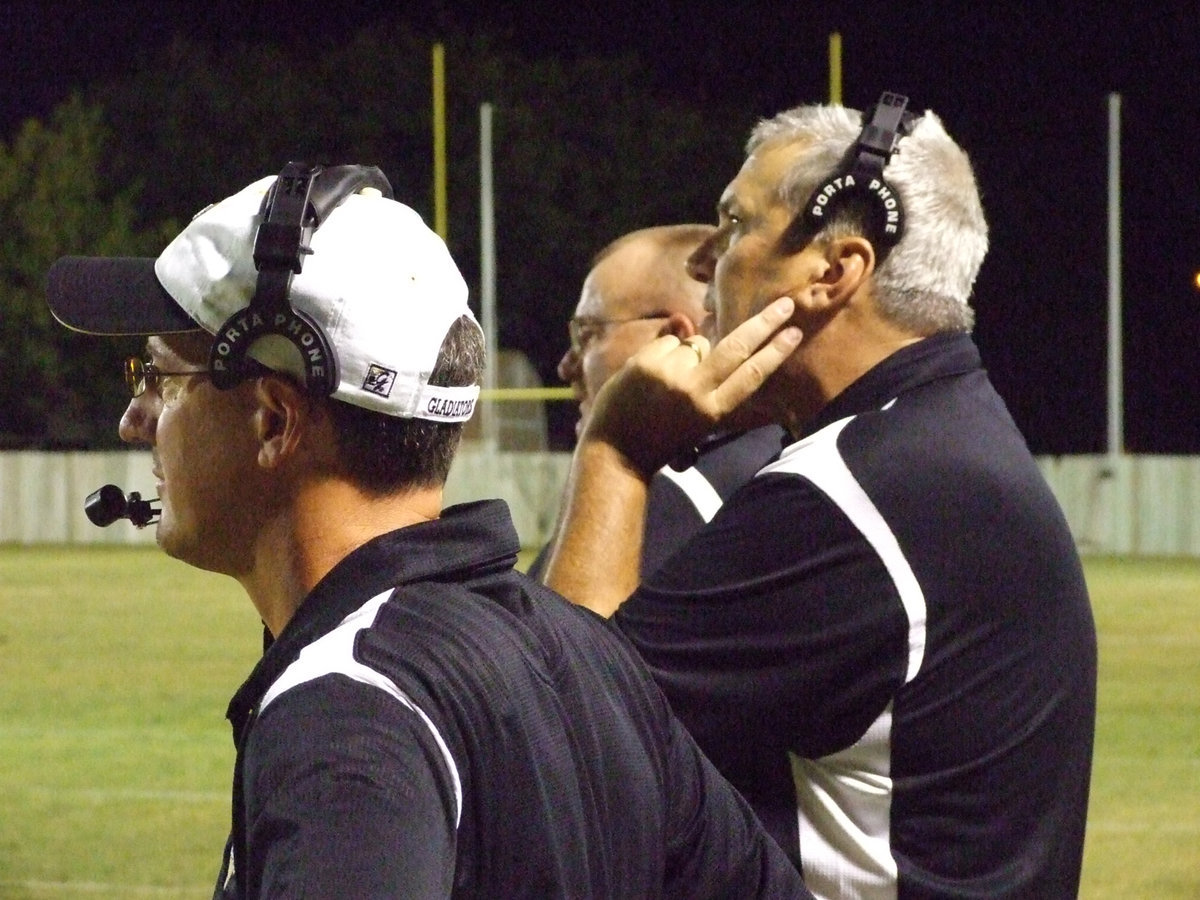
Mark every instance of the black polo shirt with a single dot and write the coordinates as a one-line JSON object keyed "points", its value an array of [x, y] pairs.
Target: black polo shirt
{"points": [[679, 503], [433, 723], [885, 641]]}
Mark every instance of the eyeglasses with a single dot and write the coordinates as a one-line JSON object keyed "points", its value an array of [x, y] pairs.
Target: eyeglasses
{"points": [[140, 375], [585, 329]]}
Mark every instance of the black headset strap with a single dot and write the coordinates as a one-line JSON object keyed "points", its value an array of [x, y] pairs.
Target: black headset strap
{"points": [[301, 198], [884, 124], [283, 236], [335, 183]]}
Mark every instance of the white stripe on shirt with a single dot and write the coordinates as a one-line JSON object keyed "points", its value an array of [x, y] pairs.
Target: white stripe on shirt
{"points": [[333, 654], [696, 488]]}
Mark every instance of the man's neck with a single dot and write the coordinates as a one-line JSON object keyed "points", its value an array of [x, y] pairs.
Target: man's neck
{"points": [[328, 521], [830, 360]]}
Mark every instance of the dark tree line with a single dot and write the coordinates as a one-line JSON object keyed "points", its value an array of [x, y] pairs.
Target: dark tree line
{"points": [[53, 202], [585, 149]]}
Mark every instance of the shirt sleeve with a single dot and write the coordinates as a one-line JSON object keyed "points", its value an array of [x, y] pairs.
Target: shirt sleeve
{"points": [[678, 507], [346, 795], [717, 847], [786, 632]]}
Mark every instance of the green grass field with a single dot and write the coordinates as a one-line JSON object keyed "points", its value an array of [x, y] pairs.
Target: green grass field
{"points": [[116, 665]]}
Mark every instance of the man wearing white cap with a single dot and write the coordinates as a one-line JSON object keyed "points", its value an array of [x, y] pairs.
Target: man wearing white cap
{"points": [[426, 721]]}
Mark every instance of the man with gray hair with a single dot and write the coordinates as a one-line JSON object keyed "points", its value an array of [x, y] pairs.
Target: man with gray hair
{"points": [[884, 639]]}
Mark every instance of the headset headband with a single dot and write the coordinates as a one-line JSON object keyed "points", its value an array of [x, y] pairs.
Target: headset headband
{"points": [[301, 198], [861, 175]]}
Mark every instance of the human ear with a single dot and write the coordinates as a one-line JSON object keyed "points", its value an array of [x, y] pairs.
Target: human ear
{"points": [[680, 326], [845, 266], [852, 263], [281, 414]]}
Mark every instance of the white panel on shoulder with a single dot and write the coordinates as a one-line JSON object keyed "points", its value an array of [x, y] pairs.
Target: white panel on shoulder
{"points": [[696, 488], [333, 654], [817, 459]]}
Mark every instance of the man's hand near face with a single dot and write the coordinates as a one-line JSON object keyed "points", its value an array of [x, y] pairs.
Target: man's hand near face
{"points": [[664, 400]]}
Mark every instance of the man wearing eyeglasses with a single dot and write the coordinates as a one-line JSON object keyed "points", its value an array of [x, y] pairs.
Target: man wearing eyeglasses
{"points": [[427, 722], [638, 289]]}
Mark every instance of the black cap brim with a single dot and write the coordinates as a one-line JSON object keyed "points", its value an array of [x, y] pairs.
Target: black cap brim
{"points": [[113, 295]]}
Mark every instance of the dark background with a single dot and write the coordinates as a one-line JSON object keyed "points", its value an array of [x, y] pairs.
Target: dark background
{"points": [[1022, 86]]}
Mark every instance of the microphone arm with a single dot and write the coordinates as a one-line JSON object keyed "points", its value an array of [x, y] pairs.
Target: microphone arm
{"points": [[109, 503]]}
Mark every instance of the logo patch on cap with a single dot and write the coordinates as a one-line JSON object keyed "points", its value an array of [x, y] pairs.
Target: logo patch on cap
{"points": [[379, 380]]}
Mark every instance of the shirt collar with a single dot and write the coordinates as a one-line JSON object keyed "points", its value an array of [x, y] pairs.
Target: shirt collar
{"points": [[938, 356], [476, 537]]}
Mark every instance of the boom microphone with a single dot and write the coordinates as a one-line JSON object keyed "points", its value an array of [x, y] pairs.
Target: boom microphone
{"points": [[109, 503]]}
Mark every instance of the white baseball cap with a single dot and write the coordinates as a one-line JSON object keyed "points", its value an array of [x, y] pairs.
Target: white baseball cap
{"points": [[378, 284]]}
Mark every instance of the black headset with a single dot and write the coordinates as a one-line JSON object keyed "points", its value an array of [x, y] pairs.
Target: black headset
{"points": [[860, 177], [298, 202]]}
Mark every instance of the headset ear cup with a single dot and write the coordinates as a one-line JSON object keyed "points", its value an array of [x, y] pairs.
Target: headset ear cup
{"points": [[297, 203], [320, 362], [885, 222], [825, 199], [860, 177], [889, 222], [225, 356], [232, 343]]}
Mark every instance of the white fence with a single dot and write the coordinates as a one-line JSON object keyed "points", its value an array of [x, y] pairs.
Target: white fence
{"points": [[1133, 505], [1129, 505]]}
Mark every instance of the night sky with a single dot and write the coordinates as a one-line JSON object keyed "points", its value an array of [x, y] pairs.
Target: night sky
{"points": [[1023, 87]]}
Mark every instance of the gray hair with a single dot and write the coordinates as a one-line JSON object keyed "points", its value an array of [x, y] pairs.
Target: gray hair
{"points": [[923, 284]]}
